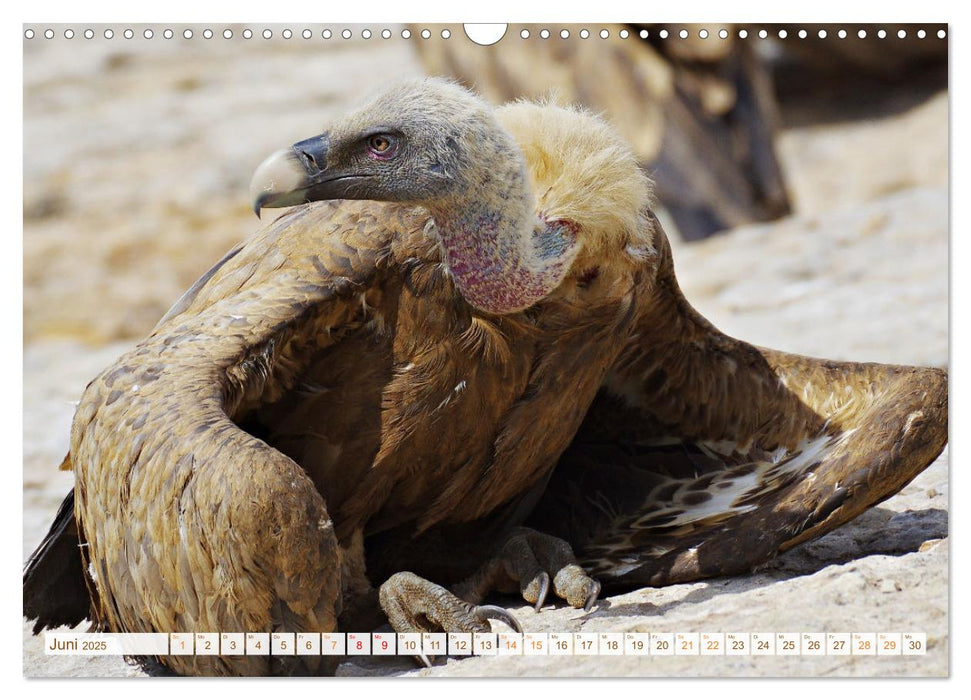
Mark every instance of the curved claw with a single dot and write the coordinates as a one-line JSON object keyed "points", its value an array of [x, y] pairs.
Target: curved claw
{"points": [[592, 598], [544, 589], [494, 612], [424, 660]]}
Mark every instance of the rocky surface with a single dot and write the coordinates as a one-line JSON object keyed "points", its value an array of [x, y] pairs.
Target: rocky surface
{"points": [[137, 160]]}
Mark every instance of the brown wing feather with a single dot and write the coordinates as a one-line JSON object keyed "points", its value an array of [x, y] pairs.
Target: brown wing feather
{"points": [[705, 456], [192, 523], [458, 412]]}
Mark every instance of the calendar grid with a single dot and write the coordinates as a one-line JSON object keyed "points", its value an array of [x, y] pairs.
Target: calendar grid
{"points": [[489, 644]]}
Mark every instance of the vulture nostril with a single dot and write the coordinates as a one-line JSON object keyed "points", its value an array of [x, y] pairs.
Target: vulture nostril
{"points": [[312, 153]]}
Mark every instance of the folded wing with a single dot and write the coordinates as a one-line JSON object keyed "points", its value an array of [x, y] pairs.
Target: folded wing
{"points": [[189, 521], [705, 456]]}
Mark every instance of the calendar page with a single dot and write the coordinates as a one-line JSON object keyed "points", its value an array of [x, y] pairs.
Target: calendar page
{"points": [[552, 349]]}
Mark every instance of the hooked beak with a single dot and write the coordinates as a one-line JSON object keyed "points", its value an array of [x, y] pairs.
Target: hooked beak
{"points": [[297, 175]]}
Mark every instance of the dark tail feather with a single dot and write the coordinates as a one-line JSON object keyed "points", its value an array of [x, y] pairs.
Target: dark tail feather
{"points": [[55, 590]]}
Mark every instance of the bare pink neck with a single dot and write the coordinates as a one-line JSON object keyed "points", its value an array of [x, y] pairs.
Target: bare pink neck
{"points": [[505, 261]]}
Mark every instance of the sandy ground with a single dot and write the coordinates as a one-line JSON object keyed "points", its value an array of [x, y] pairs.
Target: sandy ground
{"points": [[137, 160]]}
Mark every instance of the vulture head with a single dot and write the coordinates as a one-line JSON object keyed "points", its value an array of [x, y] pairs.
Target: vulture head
{"points": [[510, 234], [416, 142]]}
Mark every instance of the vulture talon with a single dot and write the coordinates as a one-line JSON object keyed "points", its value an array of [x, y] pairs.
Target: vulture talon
{"points": [[544, 589], [414, 604], [592, 598], [494, 612]]}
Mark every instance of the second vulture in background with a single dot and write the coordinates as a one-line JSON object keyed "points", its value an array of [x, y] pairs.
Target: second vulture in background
{"points": [[487, 380]]}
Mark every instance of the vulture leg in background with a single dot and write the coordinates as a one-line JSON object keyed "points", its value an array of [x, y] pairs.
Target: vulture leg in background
{"points": [[717, 168], [706, 456]]}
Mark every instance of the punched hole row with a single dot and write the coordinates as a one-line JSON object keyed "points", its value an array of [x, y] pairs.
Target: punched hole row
{"points": [[446, 34]]}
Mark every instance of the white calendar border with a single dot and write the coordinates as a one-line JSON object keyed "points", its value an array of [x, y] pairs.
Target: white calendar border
{"points": [[507, 10]]}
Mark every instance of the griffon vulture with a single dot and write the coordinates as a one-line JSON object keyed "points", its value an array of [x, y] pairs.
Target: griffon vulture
{"points": [[472, 372]]}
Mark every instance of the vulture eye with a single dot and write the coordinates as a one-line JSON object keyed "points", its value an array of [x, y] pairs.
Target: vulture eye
{"points": [[381, 146]]}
